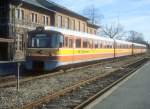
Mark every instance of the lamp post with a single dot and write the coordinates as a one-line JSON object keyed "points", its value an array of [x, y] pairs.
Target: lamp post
{"points": [[17, 4], [114, 48]]}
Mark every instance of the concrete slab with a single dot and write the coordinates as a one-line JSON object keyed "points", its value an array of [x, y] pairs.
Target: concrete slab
{"points": [[132, 94]]}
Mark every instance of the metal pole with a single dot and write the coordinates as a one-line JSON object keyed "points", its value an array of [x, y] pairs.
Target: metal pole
{"points": [[114, 48], [18, 76]]}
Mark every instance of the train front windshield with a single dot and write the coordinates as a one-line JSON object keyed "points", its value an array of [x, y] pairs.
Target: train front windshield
{"points": [[45, 40]]}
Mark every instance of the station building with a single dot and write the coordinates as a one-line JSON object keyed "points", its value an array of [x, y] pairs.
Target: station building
{"points": [[17, 17]]}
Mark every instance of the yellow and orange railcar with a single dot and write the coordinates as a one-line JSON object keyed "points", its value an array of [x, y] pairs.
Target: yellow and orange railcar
{"points": [[50, 47]]}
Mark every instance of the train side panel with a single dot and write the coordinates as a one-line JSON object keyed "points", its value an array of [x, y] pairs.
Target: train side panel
{"points": [[73, 47], [123, 52]]}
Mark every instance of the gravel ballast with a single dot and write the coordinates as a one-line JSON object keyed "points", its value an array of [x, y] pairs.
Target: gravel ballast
{"points": [[32, 90]]}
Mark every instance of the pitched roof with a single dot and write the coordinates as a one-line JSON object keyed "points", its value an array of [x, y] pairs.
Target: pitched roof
{"points": [[52, 6], [93, 25]]}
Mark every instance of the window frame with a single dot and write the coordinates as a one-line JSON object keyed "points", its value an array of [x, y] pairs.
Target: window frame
{"points": [[34, 17], [59, 21], [19, 14], [66, 23], [45, 20]]}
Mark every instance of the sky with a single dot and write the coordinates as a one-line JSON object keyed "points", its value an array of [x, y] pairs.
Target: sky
{"points": [[132, 14]]}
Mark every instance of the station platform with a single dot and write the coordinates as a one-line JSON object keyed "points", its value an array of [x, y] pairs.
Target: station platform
{"points": [[132, 93]]}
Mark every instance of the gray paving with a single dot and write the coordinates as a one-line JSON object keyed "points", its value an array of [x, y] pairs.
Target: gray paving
{"points": [[133, 94]]}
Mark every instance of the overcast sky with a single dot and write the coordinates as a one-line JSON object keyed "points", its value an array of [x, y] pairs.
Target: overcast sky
{"points": [[133, 14]]}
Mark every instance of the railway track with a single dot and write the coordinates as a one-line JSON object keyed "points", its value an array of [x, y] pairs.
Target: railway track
{"points": [[79, 95], [4, 79], [11, 80]]}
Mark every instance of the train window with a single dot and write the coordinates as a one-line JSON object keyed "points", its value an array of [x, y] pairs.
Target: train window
{"points": [[100, 44], [107, 45], [70, 43], [103, 44], [124, 46], [110, 45], [60, 40], [85, 43], [118, 46], [78, 43], [90, 44], [96, 44], [42, 40], [66, 41]]}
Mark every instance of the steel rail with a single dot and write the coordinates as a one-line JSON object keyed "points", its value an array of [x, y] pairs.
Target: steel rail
{"points": [[49, 97], [13, 83], [100, 93]]}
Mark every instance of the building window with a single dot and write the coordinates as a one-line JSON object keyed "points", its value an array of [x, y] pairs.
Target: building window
{"points": [[73, 24], [83, 27], [67, 23], [34, 18], [22, 14], [45, 20], [59, 21], [19, 14], [79, 26]]}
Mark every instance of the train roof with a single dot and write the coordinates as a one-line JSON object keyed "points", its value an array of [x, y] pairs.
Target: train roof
{"points": [[76, 33], [137, 44], [86, 35]]}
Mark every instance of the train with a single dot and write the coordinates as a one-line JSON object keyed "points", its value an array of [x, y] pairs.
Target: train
{"points": [[52, 47]]}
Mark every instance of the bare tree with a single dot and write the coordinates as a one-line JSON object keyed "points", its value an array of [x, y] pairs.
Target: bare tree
{"points": [[136, 37], [93, 14], [113, 30]]}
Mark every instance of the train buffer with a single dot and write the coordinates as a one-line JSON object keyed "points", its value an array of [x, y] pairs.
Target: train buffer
{"points": [[132, 93]]}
